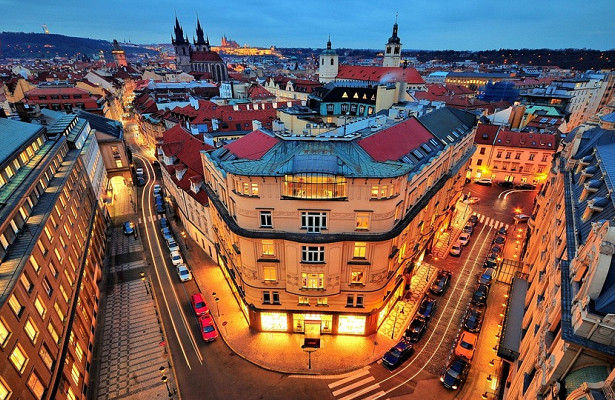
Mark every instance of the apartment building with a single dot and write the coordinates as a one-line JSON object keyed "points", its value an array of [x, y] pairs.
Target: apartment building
{"points": [[320, 234], [567, 330], [52, 237]]}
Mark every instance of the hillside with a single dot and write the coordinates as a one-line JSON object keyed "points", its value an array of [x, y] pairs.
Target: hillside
{"points": [[40, 45]]}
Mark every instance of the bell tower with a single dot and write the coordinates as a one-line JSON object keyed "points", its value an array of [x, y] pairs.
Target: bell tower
{"points": [[119, 55], [328, 65], [182, 48], [392, 50], [201, 44]]}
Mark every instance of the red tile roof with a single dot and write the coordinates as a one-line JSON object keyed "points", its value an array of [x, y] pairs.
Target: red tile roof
{"points": [[205, 56], [186, 147], [259, 92], [396, 141], [486, 133], [379, 74], [252, 146]]}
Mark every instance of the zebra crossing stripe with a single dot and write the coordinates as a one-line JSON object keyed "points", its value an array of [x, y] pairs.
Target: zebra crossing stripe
{"points": [[354, 385], [360, 392], [354, 376], [375, 395]]}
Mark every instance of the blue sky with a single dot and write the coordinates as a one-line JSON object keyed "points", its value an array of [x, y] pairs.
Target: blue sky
{"points": [[423, 24]]}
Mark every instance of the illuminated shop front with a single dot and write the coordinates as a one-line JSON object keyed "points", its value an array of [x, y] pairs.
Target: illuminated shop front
{"points": [[351, 325], [325, 321], [274, 321]]}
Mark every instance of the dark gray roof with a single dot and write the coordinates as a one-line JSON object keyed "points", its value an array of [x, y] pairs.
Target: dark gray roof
{"points": [[13, 135], [448, 123], [609, 117], [102, 124]]}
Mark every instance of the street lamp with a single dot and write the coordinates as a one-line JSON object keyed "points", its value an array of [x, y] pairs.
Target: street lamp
{"points": [[184, 237], [218, 306], [166, 383], [144, 283]]}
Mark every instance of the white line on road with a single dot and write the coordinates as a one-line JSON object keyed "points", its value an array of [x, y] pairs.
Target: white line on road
{"points": [[354, 376], [354, 385]]}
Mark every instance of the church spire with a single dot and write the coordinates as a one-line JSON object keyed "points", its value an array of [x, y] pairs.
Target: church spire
{"points": [[179, 33], [200, 36]]}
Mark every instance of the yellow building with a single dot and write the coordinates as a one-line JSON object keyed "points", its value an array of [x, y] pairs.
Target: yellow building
{"points": [[320, 234]]}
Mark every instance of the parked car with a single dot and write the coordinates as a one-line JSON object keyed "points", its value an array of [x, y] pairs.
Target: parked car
{"points": [[160, 209], [487, 276], [456, 249], [473, 319], [397, 354], [521, 218], [479, 297], [198, 304], [507, 184], [455, 373], [493, 257], [176, 258], [526, 186], [473, 200], [140, 181], [207, 328], [427, 309], [172, 245], [484, 181], [158, 199], [464, 238], [157, 190], [417, 329], [164, 223], [466, 345], [469, 228], [168, 235], [156, 164], [497, 249], [139, 171], [183, 272], [128, 228], [490, 264], [441, 282], [502, 231], [473, 220], [499, 239]]}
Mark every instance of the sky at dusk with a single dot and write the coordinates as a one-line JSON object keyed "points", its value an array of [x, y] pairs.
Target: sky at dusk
{"points": [[423, 24]]}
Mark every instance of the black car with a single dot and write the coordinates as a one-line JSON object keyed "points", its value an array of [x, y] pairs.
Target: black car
{"points": [[441, 283], [502, 231], [499, 239], [417, 329], [397, 354], [140, 181], [490, 264], [479, 297], [455, 373], [156, 164], [427, 308], [469, 228], [507, 184], [473, 219], [473, 319], [525, 186], [496, 249], [493, 257], [128, 228]]}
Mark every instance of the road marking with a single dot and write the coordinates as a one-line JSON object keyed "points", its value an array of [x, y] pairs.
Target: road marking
{"points": [[360, 392], [354, 385], [375, 395], [349, 378]]}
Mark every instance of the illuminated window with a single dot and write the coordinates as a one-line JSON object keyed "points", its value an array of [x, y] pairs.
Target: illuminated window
{"points": [[360, 249], [16, 306], [313, 254], [79, 351], [5, 390], [313, 281], [314, 222], [357, 276], [274, 321], [31, 330], [270, 273], [58, 255], [26, 282], [48, 234], [59, 311], [46, 356], [4, 333], [351, 324], [53, 269], [70, 395], [304, 301], [19, 358], [374, 192], [268, 247], [46, 286], [64, 294], [362, 219], [75, 373], [266, 221], [254, 188], [40, 306], [53, 332], [4, 242], [36, 386], [322, 301]]}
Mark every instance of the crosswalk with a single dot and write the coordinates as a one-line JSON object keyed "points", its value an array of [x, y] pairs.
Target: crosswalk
{"points": [[357, 385], [491, 222]]}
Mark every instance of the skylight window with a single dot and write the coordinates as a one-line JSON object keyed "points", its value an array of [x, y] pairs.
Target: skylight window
{"points": [[425, 147], [418, 154], [450, 138], [433, 142]]}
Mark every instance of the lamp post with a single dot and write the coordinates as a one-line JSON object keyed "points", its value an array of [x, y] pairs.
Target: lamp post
{"points": [[217, 305], [166, 383], [144, 283], [185, 242]]}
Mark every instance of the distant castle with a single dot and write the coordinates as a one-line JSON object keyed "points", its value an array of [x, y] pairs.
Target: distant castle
{"points": [[198, 57]]}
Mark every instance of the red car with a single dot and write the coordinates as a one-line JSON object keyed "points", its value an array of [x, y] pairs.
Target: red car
{"points": [[208, 330], [198, 304]]}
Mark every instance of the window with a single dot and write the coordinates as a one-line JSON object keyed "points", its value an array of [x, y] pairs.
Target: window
{"points": [[313, 221], [74, 372], [19, 358], [304, 301], [482, 150], [517, 156], [46, 356], [5, 390], [53, 332], [313, 254], [276, 297], [16, 306], [46, 286], [350, 300], [35, 385], [499, 154], [64, 294], [545, 157], [26, 282], [79, 351], [266, 221], [532, 156], [374, 192], [322, 301], [270, 273], [508, 154], [357, 276], [31, 330], [59, 311], [362, 219], [268, 247], [70, 395], [4, 334], [40, 306], [360, 249], [359, 301], [313, 281], [479, 162], [266, 297]]}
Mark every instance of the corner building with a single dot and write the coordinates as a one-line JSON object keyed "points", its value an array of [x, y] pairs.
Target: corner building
{"points": [[52, 241], [320, 234]]}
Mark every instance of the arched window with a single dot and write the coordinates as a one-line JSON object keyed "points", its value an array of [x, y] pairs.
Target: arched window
{"points": [[331, 61]]}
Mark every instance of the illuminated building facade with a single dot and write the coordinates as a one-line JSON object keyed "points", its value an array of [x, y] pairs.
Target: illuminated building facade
{"points": [[568, 330], [52, 236], [505, 155], [320, 234]]}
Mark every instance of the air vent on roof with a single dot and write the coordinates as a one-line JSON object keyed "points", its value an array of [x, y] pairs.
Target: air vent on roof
{"points": [[485, 136]]}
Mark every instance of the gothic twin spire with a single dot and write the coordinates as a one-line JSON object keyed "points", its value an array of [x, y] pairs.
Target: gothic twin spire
{"points": [[180, 38]]}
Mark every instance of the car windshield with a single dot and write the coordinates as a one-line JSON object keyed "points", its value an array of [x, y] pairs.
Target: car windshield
{"points": [[183, 272], [200, 304], [395, 352], [208, 328], [466, 345], [177, 257]]}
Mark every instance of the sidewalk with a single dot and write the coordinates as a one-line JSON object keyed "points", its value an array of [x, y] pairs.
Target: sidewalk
{"points": [[282, 352]]}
